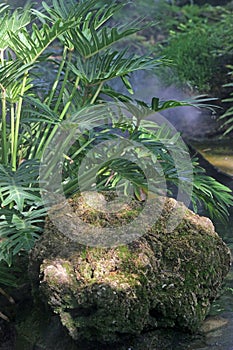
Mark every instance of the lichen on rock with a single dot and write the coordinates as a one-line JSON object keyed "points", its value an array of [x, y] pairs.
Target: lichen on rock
{"points": [[161, 279]]}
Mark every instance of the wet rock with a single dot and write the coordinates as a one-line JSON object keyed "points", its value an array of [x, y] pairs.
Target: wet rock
{"points": [[161, 279]]}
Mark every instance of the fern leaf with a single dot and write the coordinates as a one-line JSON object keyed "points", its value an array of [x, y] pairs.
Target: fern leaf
{"points": [[11, 22], [29, 46]]}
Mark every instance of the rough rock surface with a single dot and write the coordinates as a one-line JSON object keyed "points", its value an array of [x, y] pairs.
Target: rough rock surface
{"points": [[159, 280]]}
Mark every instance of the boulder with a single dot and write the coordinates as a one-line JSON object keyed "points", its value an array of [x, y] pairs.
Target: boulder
{"points": [[160, 279]]}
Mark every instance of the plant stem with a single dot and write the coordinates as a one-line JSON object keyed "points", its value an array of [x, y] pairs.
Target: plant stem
{"points": [[12, 128], [17, 122], [61, 93], [3, 123], [2, 57], [55, 84], [96, 93], [41, 133], [47, 137], [49, 130], [66, 107], [68, 103], [4, 126]]}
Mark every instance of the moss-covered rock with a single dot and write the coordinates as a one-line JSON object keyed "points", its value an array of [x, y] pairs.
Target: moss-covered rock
{"points": [[160, 279]]}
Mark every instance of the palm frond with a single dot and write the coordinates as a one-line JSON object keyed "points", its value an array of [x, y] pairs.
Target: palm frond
{"points": [[228, 115], [29, 46], [200, 101], [92, 41], [3, 7], [39, 111], [65, 10], [101, 68], [14, 89], [11, 22], [90, 34], [115, 95], [11, 72], [215, 197]]}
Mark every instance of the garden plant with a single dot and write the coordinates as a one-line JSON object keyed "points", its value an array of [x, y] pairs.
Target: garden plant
{"points": [[56, 64]]}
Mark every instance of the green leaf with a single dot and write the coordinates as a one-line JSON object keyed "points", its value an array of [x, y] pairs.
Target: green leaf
{"points": [[16, 186], [41, 110], [94, 41], [197, 101], [215, 196], [29, 46], [12, 22], [127, 84], [108, 65], [155, 103], [19, 231]]}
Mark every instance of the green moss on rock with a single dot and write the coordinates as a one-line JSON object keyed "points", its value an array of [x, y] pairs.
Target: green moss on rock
{"points": [[162, 279]]}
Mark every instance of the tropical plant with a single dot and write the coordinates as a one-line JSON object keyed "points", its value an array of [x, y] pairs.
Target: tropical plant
{"points": [[32, 115], [228, 115]]}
